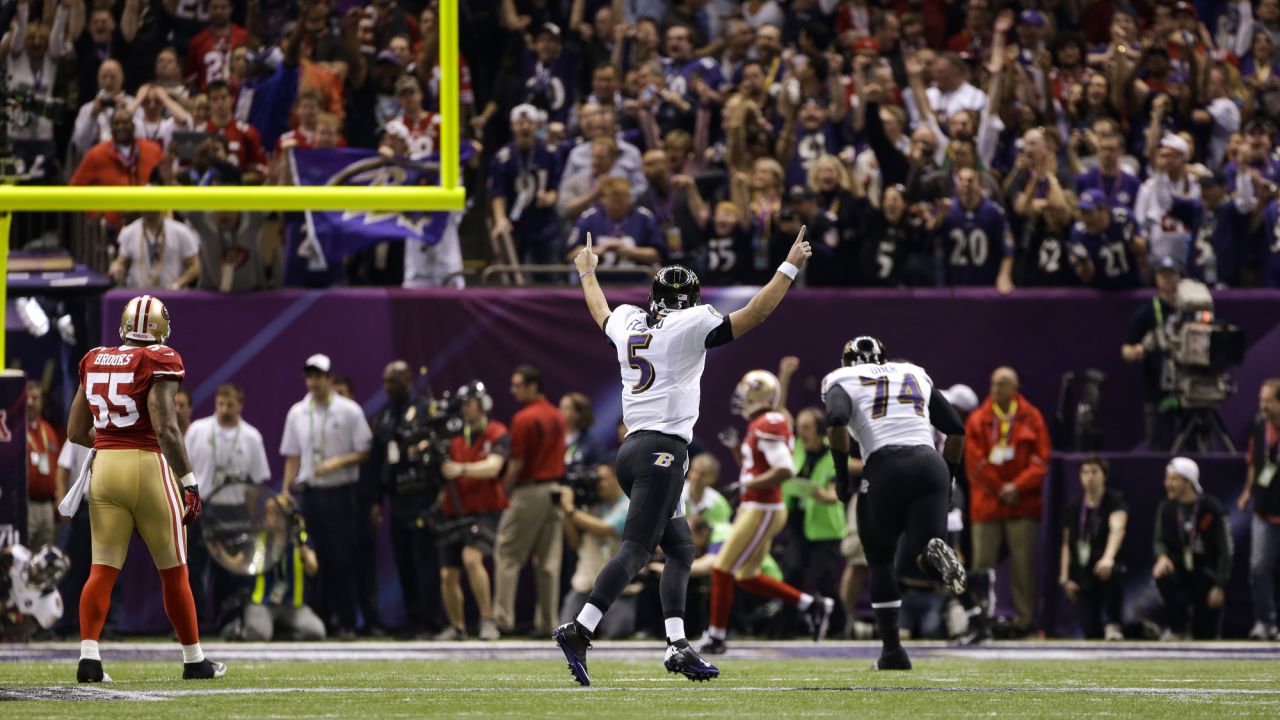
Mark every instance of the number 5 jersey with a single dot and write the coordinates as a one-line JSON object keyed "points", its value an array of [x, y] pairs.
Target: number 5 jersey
{"points": [[116, 381]]}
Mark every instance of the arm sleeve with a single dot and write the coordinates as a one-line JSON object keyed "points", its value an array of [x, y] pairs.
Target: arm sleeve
{"points": [[290, 444], [777, 453], [615, 326], [166, 364], [721, 333], [943, 416], [361, 435], [839, 407]]}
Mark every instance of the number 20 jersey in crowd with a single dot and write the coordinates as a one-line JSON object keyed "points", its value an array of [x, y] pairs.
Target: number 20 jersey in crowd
{"points": [[662, 365], [116, 381], [890, 404]]}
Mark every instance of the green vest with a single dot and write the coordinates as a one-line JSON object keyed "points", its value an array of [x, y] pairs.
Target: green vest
{"points": [[822, 521]]}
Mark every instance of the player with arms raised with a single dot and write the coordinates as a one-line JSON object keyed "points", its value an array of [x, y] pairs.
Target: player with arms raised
{"points": [[891, 408], [662, 352], [124, 410]]}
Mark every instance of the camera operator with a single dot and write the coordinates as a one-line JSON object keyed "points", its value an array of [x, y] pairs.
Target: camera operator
{"points": [[404, 479], [593, 522], [223, 449], [277, 607], [473, 497], [1147, 342], [581, 451]]}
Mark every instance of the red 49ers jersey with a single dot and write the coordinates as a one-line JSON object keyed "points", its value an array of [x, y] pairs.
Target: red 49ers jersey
{"points": [[770, 428], [421, 136], [116, 382], [244, 143], [209, 55]]}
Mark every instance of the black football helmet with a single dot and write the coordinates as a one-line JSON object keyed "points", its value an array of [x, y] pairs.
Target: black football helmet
{"points": [[861, 350], [675, 287]]}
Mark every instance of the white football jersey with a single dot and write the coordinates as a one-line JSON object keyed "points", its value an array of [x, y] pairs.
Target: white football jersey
{"points": [[890, 404], [662, 366], [43, 607]]}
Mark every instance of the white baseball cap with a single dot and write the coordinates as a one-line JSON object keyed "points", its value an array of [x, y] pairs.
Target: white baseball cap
{"points": [[526, 111], [1187, 468], [962, 397], [1175, 142], [320, 362]]}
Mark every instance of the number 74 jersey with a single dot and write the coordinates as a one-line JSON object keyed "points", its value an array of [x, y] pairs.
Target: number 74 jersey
{"points": [[116, 381], [890, 404]]}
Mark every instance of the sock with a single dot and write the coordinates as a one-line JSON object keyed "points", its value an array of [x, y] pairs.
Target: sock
{"points": [[89, 650], [768, 587], [887, 622], [806, 600], [179, 606], [192, 653], [718, 633], [721, 600], [590, 616], [675, 628], [95, 600]]}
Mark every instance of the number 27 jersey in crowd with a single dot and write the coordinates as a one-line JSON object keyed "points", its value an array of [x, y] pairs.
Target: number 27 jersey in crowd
{"points": [[662, 365], [890, 404], [116, 382]]}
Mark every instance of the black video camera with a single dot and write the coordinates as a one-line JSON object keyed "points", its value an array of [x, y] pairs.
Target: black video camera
{"points": [[584, 480], [425, 438]]}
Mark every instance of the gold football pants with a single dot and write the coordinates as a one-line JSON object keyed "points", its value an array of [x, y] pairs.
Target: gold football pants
{"points": [[135, 489]]}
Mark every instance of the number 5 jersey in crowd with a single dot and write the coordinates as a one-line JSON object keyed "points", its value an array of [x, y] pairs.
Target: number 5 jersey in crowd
{"points": [[116, 381]]}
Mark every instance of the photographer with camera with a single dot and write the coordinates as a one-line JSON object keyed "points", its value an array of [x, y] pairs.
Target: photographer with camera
{"points": [[1147, 342], [398, 472], [224, 449], [594, 516], [471, 503], [277, 606]]}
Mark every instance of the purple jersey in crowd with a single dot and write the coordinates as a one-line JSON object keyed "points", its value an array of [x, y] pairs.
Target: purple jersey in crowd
{"points": [[974, 242], [1114, 264]]}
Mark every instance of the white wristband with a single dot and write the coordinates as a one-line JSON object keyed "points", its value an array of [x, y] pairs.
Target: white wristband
{"points": [[188, 480], [789, 270]]}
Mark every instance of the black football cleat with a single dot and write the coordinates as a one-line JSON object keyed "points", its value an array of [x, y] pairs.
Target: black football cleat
{"points": [[204, 670], [681, 658], [574, 642], [709, 645], [895, 659], [90, 671], [943, 559], [818, 617]]}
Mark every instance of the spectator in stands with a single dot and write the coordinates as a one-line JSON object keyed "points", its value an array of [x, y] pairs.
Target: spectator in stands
{"points": [[157, 115], [419, 129], [896, 250], [524, 179], [548, 73], [1146, 342], [1193, 555], [599, 121], [1105, 249], [102, 40], [93, 122], [532, 524], [473, 490], [595, 532], [624, 236], [33, 54], [168, 74], [580, 191], [1118, 186], [243, 141], [209, 53], [1093, 529], [950, 92], [43, 490], [1263, 487], [1168, 201], [231, 255], [975, 236], [156, 253], [668, 200], [1006, 461]]}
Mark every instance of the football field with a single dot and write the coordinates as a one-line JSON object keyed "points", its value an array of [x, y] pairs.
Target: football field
{"points": [[529, 680]]}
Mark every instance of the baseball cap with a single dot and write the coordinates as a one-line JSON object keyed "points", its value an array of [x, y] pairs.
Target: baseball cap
{"points": [[388, 56], [407, 82], [1169, 262], [1092, 199], [866, 43], [961, 396], [1185, 7], [1215, 178], [1033, 18], [1187, 468], [1175, 142], [800, 193], [525, 111], [549, 28], [320, 362]]}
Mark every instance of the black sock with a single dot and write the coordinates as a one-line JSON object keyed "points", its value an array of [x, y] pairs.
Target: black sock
{"points": [[582, 630], [681, 643], [887, 622]]}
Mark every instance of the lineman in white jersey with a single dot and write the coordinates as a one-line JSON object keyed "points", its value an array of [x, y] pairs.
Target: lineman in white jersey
{"points": [[891, 409], [661, 353], [29, 590]]}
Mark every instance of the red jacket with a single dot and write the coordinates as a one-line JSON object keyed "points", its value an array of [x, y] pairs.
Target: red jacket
{"points": [[1029, 439]]}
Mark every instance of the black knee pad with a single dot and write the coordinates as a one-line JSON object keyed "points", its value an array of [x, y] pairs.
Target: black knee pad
{"points": [[633, 556]]}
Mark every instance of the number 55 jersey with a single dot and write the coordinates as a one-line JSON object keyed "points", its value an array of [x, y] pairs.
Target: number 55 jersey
{"points": [[662, 365], [890, 404], [116, 381]]}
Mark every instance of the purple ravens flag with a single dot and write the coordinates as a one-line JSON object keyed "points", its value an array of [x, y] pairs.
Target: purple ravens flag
{"points": [[317, 242]]}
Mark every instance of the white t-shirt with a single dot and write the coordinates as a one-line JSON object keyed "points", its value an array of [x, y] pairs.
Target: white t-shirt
{"points": [[218, 453], [890, 404], [964, 97], [157, 261], [662, 366], [72, 457], [314, 432], [1166, 235]]}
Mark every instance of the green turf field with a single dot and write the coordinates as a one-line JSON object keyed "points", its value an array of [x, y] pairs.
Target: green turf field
{"points": [[949, 687]]}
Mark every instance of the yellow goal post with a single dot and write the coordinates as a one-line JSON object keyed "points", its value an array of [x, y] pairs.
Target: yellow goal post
{"points": [[449, 195]]}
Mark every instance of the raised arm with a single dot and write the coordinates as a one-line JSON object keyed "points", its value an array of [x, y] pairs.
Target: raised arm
{"points": [[597, 305], [766, 300]]}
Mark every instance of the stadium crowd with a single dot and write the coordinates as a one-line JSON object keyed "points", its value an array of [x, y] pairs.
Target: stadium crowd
{"points": [[923, 142]]}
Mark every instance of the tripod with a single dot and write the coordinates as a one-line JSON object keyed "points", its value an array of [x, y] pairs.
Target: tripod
{"points": [[1201, 427]]}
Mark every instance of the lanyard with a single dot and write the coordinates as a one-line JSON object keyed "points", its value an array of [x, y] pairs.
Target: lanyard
{"points": [[1006, 421], [317, 448], [44, 439], [235, 444], [1089, 519], [1188, 529]]}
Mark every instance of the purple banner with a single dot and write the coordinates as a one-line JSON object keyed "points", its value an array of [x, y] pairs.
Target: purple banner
{"points": [[13, 457]]}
